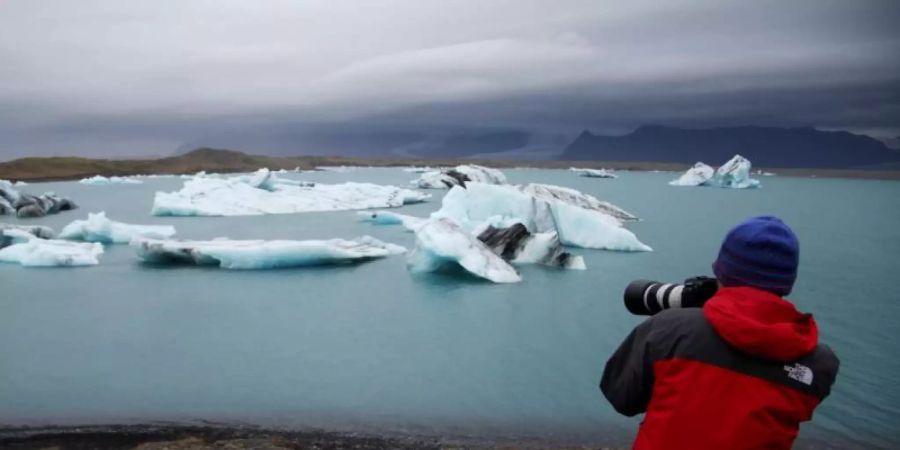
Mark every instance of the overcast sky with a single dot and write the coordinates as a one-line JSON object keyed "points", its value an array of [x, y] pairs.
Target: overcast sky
{"points": [[143, 77]]}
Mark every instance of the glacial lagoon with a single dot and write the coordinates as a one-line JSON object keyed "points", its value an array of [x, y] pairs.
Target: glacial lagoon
{"points": [[371, 346]]}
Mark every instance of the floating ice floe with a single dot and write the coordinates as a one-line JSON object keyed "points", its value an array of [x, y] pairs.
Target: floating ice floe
{"points": [[263, 193], [28, 206], [734, 174], [235, 254], [339, 169], [38, 231], [97, 228], [391, 218], [594, 173], [459, 176], [442, 242], [578, 219], [420, 169], [99, 180], [32, 251], [698, 175]]}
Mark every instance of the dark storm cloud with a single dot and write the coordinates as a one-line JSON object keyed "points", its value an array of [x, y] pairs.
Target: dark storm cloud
{"points": [[145, 77]]}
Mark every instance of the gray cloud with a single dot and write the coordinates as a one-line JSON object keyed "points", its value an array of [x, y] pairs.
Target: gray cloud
{"points": [[145, 77]]}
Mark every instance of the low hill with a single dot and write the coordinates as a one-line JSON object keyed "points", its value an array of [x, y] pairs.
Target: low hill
{"points": [[764, 146], [64, 168]]}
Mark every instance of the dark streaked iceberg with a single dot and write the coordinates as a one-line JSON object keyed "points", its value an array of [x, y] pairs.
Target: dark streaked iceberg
{"points": [[249, 254]]}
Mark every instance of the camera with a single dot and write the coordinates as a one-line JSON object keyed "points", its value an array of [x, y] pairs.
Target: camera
{"points": [[645, 297]]}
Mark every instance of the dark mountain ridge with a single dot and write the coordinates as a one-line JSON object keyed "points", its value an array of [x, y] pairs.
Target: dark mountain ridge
{"points": [[765, 146]]}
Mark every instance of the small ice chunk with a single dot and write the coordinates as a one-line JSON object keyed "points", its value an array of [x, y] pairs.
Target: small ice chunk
{"points": [[442, 242], [459, 176], [263, 193], [99, 180], [420, 169], [391, 218], [698, 175], [97, 228], [237, 254], [594, 173], [31, 251]]}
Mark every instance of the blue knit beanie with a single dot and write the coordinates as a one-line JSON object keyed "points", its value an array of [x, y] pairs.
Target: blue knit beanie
{"points": [[761, 252]]}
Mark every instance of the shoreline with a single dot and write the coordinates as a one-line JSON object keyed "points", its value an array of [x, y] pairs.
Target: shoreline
{"points": [[40, 169], [211, 436]]}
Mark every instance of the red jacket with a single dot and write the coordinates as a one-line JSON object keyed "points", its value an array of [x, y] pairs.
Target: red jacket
{"points": [[741, 373]]}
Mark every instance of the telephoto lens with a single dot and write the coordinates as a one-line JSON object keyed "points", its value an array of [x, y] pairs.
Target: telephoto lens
{"points": [[645, 297]]}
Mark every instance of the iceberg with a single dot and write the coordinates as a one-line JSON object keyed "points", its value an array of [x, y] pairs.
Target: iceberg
{"points": [[37, 231], [578, 219], [99, 180], [594, 173], [391, 218], [518, 246], [442, 242], [32, 251], [264, 193], [459, 176], [97, 228], [698, 175], [237, 254], [735, 174], [28, 206]]}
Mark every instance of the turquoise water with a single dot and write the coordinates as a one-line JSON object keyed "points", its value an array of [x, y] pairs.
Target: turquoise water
{"points": [[371, 346]]}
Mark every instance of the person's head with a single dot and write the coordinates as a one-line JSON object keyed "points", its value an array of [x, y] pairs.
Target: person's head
{"points": [[761, 252]]}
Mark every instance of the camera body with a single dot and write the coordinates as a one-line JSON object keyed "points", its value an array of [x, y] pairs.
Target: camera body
{"points": [[646, 297]]}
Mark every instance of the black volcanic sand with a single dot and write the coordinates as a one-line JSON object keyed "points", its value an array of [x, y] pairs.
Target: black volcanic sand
{"points": [[180, 437]]}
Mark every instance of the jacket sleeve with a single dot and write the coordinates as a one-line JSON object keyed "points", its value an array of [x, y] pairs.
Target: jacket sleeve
{"points": [[628, 377]]}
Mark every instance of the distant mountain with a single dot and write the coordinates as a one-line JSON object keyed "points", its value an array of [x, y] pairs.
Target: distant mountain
{"points": [[892, 143], [364, 143], [764, 146]]}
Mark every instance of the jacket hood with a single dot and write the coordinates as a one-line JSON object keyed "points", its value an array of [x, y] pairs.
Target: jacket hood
{"points": [[761, 324]]}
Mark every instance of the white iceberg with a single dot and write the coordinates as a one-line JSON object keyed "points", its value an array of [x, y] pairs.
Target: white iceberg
{"points": [[9, 197], [391, 218], [594, 173], [578, 219], [32, 251], [97, 228], [442, 242], [236, 254], [99, 180], [459, 176], [735, 174], [263, 193], [698, 175]]}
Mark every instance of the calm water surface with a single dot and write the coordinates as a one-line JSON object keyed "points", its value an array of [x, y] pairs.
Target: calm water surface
{"points": [[370, 345]]}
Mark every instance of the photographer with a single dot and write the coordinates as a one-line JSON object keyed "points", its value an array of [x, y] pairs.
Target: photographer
{"points": [[743, 371]]}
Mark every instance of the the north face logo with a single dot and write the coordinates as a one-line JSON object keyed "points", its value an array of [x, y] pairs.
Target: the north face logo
{"points": [[800, 373]]}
